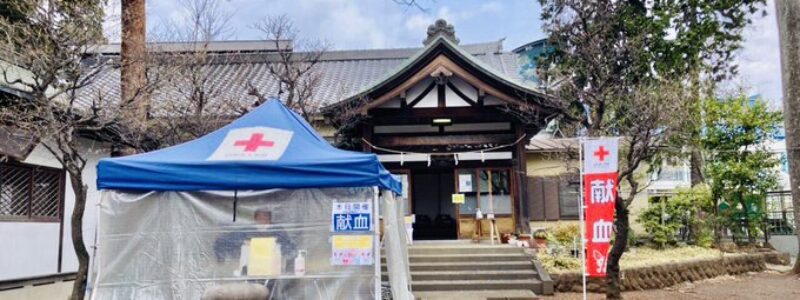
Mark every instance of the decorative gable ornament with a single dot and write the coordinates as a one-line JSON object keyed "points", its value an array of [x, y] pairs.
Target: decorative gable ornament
{"points": [[441, 28]]}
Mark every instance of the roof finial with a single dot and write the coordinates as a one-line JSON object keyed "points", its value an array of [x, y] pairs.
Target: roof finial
{"points": [[441, 28]]}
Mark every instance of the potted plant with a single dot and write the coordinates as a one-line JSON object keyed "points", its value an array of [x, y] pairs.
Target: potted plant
{"points": [[504, 237], [540, 238], [524, 240]]}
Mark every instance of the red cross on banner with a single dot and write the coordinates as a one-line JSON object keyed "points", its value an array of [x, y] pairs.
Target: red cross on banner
{"points": [[601, 153], [253, 143], [600, 156]]}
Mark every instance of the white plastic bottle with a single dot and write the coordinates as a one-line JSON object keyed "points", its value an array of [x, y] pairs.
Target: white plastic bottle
{"points": [[300, 263]]}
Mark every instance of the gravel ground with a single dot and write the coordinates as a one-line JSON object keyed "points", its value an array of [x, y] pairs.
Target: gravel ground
{"points": [[772, 284]]}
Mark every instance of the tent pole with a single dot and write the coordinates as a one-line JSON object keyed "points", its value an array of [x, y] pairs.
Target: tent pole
{"points": [[376, 242], [235, 200], [95, 254]]}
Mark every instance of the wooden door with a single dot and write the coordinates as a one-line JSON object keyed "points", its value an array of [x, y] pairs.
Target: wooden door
{"points": [[490, 190]]}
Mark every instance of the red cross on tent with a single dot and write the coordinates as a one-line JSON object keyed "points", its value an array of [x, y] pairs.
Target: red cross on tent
{"points": [[253, 143], [256, 140]]}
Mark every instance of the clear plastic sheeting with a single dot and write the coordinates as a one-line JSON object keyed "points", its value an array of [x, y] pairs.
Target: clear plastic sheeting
{"points": [[184, 245], [395, 244]]}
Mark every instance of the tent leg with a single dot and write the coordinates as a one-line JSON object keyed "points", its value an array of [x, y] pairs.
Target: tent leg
{"points": [[376, 242], [235, 202], [95, 254]]}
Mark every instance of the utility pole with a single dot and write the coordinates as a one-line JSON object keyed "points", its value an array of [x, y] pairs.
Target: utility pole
{"points": [[788, 14], [134, 100]]}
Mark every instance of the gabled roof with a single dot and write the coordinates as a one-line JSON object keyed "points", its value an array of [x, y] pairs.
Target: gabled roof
{"points": [[442, 46], [342, 73], [549, 145]]}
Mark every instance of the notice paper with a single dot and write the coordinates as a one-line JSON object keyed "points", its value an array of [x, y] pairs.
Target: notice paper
{"points": [[352, 250], [458, 198], [465, 183], [264, 257]]}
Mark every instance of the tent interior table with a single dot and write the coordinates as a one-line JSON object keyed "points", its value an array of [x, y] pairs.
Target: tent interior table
{"points": [[263, 205]]}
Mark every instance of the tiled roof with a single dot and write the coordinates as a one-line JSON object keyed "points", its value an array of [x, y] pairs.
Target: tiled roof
{"points": [[547, 144], [342, 73]]}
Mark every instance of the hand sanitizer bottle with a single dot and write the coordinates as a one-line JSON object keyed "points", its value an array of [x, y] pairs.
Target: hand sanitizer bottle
{"points": [[300, 263]]}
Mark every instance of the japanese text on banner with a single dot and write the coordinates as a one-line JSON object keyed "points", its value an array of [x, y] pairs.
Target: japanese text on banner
{"points": [[351, 217], [600, 192]]}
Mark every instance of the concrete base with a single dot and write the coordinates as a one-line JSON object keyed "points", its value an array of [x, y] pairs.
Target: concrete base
{"points": [[784, 243]]}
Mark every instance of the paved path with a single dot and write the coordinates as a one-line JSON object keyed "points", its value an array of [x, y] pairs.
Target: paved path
{"points": [[476, 295], [771, 285]]}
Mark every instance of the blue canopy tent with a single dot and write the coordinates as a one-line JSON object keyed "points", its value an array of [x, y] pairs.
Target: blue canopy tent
{"points": [[306, 160], [165, 228]]}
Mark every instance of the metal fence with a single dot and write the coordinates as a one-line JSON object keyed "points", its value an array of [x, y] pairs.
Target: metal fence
{"points": [[779, 213]]}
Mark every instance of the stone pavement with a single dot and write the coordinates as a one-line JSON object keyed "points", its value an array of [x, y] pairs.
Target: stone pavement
{"points": [[478, 295]]}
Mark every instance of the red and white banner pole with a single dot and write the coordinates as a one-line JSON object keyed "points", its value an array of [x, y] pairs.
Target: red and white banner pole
{"points": [[599, 171]]}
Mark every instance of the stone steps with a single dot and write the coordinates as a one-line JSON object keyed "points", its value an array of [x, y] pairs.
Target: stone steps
{"points": [[465, 285], [495, 270], [471, 266], [464, 249], [472, 275], [471, 257]]}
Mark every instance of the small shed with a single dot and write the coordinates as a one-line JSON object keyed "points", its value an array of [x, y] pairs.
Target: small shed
{"points": [[264, 204]]}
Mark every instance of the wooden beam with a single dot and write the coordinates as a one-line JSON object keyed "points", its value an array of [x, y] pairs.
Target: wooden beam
{"points": [[422, 95], [441, 95], [403, 102], [436, 64], [460, 94], [441, 140], [424, 115]]}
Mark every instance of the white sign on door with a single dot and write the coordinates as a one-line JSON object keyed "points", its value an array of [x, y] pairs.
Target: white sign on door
{"points": [[465, 183]]}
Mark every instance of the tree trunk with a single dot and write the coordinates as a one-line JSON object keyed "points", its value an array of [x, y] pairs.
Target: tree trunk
{"points": [[79, 286], [696, 167], [788, 13], [133, 73], [622, 225]]}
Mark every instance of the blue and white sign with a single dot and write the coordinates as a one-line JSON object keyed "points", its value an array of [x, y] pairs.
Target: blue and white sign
{"points": [[351, 217]]}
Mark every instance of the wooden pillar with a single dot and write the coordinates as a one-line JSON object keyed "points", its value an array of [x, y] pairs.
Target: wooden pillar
{"points": [[523, 220], [366, 134]]}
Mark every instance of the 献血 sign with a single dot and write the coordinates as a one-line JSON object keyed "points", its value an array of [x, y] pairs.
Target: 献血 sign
{"points": [[351, 217], [600, 193]]}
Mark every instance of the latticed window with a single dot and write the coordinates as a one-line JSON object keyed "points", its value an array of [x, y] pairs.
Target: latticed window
{"points": [[30, 193]]}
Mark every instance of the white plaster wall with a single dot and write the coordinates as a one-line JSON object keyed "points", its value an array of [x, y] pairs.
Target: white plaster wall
{"points": [[29, 249], [32, 248], [452, 99]]}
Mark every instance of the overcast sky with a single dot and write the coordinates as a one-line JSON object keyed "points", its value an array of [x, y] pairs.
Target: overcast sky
{"points": [[359, 24]]}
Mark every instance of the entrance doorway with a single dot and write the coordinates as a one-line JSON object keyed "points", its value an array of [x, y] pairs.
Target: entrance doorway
{"points": [[432, 204]]}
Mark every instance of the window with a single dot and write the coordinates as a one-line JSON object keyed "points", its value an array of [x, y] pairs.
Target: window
{"points": [[479, 193], [671, 173], [30, 193], [569, 196], [554, 198]]}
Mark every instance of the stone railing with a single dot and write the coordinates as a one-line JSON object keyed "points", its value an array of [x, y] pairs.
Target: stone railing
{"points": [[661, 276]]}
